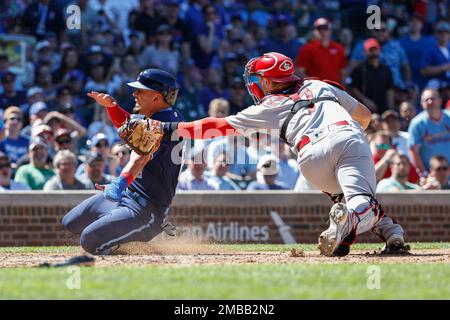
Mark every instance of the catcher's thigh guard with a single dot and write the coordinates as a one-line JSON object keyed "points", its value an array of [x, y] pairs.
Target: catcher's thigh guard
{"points": [[366, 212]]}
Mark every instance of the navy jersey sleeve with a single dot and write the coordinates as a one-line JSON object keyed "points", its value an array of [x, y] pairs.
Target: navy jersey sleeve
{"points": [[159, 178]]}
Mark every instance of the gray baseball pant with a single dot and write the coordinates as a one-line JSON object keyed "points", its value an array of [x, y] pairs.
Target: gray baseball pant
{"points": [[342, 162]]}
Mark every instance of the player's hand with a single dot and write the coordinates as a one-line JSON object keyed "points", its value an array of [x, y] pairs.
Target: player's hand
{"points": [[103, 99], [114, 190]]}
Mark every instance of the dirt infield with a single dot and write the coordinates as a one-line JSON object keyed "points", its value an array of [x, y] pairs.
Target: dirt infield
{"points": [[179, 255]]}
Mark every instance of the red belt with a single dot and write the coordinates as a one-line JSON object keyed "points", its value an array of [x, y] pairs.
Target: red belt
{"points": [[304, 141]]}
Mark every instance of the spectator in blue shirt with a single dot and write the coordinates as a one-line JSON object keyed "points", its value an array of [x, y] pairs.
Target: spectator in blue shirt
{"points": [[193, 178], [414, 43], [14, 145], [212, 90], [283, 39], [392, 54], [254, 12], [268, 168], [288, 170], [205, 44], [10, 96], [194, 16], [429, 131], [242, 162], [436, 59], [218, 178]]}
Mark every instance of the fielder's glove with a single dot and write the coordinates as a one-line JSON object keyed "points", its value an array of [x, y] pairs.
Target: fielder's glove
{"points": [[143, 135]]}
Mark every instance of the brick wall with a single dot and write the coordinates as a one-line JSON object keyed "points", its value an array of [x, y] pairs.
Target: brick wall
{"points": [[33, 218]]}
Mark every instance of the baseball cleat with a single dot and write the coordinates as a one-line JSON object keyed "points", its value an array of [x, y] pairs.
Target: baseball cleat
{"points": [[107, 252], [395, 241], [343, 248], [333, 236], [395, 245]]}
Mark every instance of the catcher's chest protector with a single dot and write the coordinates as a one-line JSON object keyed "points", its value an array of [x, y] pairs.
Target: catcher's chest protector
{"points": [[301, 104]]}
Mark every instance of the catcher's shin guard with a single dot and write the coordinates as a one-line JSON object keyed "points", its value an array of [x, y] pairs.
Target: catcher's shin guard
{"points": [[366, 212]]}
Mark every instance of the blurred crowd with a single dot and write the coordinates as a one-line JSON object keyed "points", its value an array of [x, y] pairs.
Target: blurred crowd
{"points": [[53, 137]]}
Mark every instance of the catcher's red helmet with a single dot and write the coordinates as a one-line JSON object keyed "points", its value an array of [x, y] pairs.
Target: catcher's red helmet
{"points": [[273, 66]]}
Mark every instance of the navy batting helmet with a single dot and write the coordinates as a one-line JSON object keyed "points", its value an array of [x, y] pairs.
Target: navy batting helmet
{"points": [[157, 80]]}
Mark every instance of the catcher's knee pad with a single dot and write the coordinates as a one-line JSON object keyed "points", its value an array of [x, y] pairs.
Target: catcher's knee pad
{"points": [[366, 212]]}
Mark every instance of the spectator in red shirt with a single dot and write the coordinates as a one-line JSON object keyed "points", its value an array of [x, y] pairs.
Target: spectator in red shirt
{"points": [[383, 152], [322, 58]]}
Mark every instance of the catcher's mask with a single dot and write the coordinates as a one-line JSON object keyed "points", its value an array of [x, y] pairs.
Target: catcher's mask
{"points": [[158, 80], [273, 66]]}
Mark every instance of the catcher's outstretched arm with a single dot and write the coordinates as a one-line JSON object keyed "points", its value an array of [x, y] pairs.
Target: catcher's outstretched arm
{"points": [[206, 128], [362, 114], [144, 135]]}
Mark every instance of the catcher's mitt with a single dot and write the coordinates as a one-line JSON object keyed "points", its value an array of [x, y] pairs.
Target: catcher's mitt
{"points": [[143, 135]]}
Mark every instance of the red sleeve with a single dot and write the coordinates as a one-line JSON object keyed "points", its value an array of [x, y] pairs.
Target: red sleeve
{"points": [[117, 115], [206, 128]]}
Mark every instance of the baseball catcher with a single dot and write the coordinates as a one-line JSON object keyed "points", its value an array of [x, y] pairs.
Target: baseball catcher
{"points": [[134, 207], [324, 126]]}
